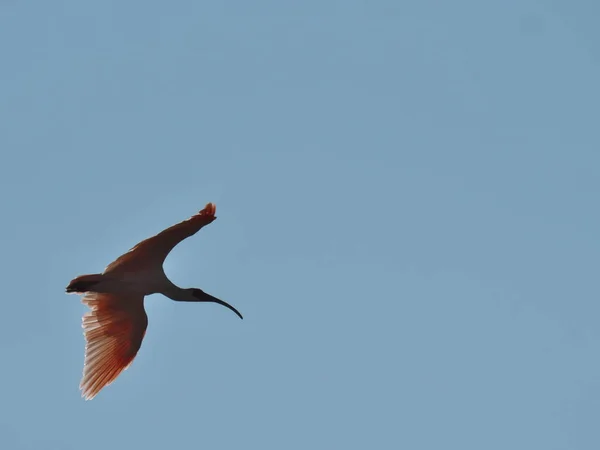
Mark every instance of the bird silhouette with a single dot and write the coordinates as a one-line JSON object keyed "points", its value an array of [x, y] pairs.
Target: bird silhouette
{"points": [[116, 325]]}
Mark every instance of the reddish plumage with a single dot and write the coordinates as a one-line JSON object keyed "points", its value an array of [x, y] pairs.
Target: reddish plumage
{"points": [[114, 330], [116, 324]]}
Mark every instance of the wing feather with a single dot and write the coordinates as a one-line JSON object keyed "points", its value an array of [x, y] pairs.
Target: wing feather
{"points": [[153, 251], [114, 329]]}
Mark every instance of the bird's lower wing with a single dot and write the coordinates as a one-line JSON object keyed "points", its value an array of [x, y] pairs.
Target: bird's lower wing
{"points": [[114, 330], [152, 252]]}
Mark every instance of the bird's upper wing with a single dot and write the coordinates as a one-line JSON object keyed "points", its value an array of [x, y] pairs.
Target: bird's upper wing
{"points": [[151, 253], [114, 330]]}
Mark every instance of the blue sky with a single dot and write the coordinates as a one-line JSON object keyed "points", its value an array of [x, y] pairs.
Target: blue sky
{"points": [[407, 218]]}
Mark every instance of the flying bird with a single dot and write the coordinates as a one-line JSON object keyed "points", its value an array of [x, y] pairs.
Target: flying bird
{"points": [[116, 325]]}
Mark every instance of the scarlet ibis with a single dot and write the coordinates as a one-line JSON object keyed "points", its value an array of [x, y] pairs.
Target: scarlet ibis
{"points": [[116, 325]]}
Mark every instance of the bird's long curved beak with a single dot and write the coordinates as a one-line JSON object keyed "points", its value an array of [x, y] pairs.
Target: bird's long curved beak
{"points": [[201, 296], [226, 305]]}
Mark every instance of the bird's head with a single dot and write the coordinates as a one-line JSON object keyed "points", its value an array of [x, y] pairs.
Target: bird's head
{"points": [[200, 296]]}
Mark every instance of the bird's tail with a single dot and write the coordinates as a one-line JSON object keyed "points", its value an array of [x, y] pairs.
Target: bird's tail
{"points": [[84, 283]]}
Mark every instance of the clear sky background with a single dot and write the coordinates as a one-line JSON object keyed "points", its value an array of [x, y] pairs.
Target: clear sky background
{"points": [[407, 200]]}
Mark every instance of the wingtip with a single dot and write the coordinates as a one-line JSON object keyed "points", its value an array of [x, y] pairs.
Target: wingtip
{"points": [[86, 394], [209, 210]]}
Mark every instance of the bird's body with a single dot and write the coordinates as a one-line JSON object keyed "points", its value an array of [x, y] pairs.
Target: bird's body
{"points": [[116, 325], [145, 282]]}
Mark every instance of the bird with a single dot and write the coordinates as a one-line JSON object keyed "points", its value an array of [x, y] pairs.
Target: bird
{"points": [[116, 323]]}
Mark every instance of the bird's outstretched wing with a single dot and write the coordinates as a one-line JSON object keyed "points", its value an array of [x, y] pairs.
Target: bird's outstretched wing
{"points": [[152, 252], [114, 330]]}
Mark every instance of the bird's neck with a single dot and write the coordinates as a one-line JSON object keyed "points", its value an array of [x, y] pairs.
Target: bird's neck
{"points": [[178, 294]]}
